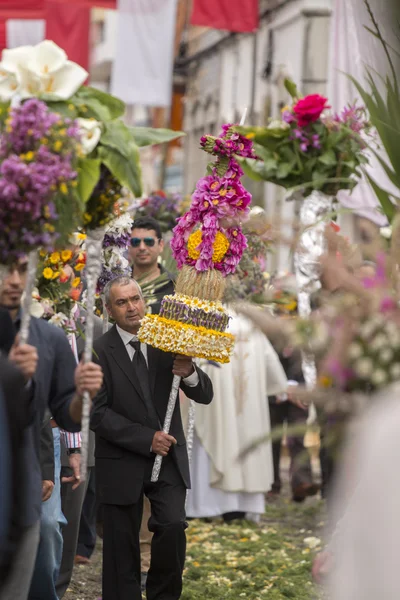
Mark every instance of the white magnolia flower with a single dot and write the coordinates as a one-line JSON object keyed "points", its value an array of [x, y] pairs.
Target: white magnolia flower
{"points": [[386, 355], [312, 542], [41, 69], [90, 132], [379, 377], [59, 319], [363, 367], [395, 371], [386, 232], [8, 84], [355, 351]]}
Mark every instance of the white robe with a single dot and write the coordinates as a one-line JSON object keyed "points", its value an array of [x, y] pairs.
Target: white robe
{"points": [[366, 544], [237, 417]]}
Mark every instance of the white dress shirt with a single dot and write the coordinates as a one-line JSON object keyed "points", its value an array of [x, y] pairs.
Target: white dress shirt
{"points": [[127, 337]]}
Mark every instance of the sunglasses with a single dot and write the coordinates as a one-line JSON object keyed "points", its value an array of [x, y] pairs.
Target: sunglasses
{"points": [[149, 241]]}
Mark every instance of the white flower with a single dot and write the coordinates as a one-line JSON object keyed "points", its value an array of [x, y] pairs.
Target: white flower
{"points": [[41, 69], [395, 371], [120, 225], [37, 309], [379, 377], [371, 326], [59, 319], [363, 367], [386, 355], [312, 542], [90, 132], [8, 84], [355, 351], [379, 342], [386, 232]]}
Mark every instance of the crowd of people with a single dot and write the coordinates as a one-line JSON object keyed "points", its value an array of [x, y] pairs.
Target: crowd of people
{"points": [[49, 518]]}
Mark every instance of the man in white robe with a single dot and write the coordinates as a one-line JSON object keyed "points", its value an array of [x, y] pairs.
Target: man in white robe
{"points": [[222, 482]]}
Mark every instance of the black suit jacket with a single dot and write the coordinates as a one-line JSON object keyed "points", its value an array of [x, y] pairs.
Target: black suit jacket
{"points": [[120, 420]]}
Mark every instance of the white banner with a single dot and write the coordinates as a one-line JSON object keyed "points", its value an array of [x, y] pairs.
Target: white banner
{"points": [[142, 70], [25, 32], [352, 49]]}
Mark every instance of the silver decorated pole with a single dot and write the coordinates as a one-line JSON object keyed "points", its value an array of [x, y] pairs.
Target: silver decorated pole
{"points": [[311, 246], [167, 423], [94, 243], [190, 429], [27, 297], [105, 316]]}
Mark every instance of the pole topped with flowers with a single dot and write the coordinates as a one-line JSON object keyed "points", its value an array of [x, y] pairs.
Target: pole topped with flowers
{"points": [[207, 244]]}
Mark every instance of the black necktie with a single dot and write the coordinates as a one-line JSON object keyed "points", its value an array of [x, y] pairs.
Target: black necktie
{"points": [[142, 372]]}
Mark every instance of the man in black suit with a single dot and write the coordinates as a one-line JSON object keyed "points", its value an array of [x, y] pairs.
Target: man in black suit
{"points": [[127, 417], [55, 385]]}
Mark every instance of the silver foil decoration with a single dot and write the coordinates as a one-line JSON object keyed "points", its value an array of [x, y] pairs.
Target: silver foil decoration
{"points": [[94, 243], [27, 297], [190, 429], [167, 423], [105, 316], [311, 246]]}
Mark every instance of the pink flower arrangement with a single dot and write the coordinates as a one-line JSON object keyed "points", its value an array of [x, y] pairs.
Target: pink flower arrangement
{"points": [[309, 148], [219, 198]]}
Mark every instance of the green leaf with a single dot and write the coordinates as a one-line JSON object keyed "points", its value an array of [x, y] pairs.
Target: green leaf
{"points": [[284, 169], [101, 101], [328, 158], [291, 87], [65, 109], [252, 168], [148, 136], [89, 174], [384, 198], [126, 170], [118, 136]]}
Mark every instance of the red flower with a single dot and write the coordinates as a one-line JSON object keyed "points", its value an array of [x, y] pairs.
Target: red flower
{"points": [[309, 109]]}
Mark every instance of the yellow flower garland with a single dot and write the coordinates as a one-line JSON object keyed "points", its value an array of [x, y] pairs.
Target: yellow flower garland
{"points": [[193, 302], [180, 338]]}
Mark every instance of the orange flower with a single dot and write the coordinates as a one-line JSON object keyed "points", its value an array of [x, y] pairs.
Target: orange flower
{"points": [[64, 277], [80, 266], [75, 294]]}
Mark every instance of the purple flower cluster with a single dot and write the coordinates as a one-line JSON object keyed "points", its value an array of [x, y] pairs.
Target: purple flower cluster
{"points": [[122, 241], [217, 201], [307, 139], [107, 275], [29, 124], [32, 176], [353, 117], [227, 144]]}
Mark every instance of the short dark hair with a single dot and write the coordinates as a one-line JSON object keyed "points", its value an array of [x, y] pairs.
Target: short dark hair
{"points": [[147, 223]]}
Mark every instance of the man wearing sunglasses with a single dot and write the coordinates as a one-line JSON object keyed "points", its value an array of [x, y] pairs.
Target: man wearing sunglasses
{"points": [[146, 247]]}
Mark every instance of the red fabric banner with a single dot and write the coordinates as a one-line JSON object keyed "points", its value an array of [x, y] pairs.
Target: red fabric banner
{"points": [[3, 35], [232, 15], [35, 9], [68, 25]]}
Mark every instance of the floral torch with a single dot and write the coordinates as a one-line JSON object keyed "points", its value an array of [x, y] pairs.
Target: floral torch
{"points": [[207, 244]]}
